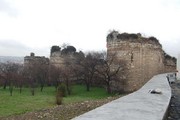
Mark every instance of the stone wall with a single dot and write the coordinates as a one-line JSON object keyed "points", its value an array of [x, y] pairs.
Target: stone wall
{"points": [[56, 59], [144, 58], [29, 60], [60, 58], [169, 64]]}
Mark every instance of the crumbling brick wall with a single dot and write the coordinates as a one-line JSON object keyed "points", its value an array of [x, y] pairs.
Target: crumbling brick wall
{"points": [[144, 58]]}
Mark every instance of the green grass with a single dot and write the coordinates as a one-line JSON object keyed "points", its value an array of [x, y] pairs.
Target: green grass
{"points": [[25, 102], [79, 93]]}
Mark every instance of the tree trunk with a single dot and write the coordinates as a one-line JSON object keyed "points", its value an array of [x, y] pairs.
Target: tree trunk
{"points": [[87, 86], [20, 89], [32, 91], [67, 86], [11, 89], [108, 88], [5, 84], [56, 85], [108, 85], [42, 86]]}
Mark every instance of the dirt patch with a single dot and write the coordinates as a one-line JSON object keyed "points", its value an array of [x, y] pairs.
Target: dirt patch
{"points": [[62, 112]]}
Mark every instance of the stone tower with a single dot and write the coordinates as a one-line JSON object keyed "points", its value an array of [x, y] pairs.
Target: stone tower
{"points": [[144, 58]]}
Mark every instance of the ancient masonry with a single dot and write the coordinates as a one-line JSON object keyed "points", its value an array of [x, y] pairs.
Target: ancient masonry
{"points": [[144, 58], [60, 58], [56, 59], [29, 60]]}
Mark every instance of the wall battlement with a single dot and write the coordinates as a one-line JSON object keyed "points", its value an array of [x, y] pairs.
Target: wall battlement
{"points": [[144, 58]]}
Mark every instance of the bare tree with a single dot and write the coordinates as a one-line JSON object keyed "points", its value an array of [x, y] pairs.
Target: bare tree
{"points": [[54, 75], [29, 74], [109, 68], [42, 73], [67, 77], [36, 72], [89, 64], [20, 80], [4, 74], [9, 72], [77, 68]]}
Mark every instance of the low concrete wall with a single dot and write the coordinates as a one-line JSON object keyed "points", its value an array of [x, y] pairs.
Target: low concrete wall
{"points": [[140, 105]]}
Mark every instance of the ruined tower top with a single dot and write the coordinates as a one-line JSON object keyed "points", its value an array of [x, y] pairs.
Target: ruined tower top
{"points": [[136, 38], [32, 54]]}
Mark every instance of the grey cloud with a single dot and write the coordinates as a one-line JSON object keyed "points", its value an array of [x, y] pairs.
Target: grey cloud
{"points": [[14, 48], [172, 47], [5, 7], [11, 43]]}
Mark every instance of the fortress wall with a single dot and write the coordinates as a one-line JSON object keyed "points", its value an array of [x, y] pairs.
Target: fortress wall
{"points": [[32, 59], [56, 61], [169, 65], [143, 61]]}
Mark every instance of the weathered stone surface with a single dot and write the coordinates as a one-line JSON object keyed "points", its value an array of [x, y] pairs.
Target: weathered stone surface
{"points": [[29, 60], [144, 58]]}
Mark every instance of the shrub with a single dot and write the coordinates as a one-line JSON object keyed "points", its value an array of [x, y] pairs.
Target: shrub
{"points": [[133, 36], [123, 36], [55, 48], [59, 98], [153, 38], [61, 92], [62, 89], [127, 36]]}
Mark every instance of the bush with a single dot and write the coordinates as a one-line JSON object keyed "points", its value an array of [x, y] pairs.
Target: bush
{"points": [[55, 48], [127, 36], [133, 36], [153, 38], [61, 92], [62, 89], [59, 98]]}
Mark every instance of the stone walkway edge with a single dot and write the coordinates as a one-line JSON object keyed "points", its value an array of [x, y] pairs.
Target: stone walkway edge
{"points": [[139, 105]]}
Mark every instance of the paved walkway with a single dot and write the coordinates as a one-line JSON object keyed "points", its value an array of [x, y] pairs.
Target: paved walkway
{"points": [[140, 105], [174, 109]]}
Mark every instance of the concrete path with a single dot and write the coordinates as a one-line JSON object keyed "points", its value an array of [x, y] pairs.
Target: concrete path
{"points": [[140, 105]]}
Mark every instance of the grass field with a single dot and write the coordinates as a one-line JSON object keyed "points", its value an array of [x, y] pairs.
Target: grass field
{"points": [[25, 102]]}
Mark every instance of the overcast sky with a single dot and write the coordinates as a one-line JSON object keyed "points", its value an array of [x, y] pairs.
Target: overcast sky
{"points": [[35, 25]]}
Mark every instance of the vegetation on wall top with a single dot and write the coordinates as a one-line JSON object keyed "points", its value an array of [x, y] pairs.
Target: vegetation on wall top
{"points": [[115, 35], [55, 48], [65, 50], [168, 57]]}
